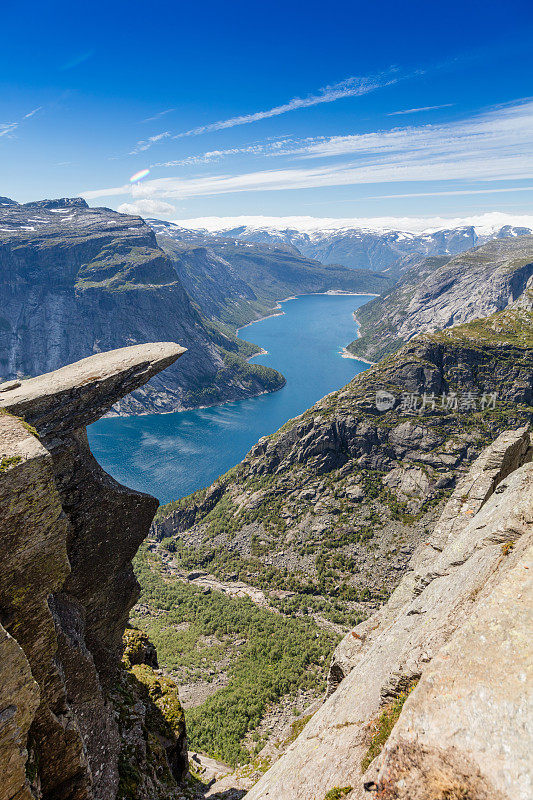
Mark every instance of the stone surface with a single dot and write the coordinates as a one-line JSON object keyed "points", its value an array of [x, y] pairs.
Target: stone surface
{"points": [[463, 731], [68, 532], [74, 396]]}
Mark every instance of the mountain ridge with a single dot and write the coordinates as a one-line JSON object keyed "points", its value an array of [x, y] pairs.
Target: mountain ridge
{"points": [[439, 292], [367, 244]]}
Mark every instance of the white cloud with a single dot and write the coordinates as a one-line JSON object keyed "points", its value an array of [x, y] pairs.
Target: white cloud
{"points": [[31, 113], [454, 192], [7, 128], [147, 207], [417, 110], [350, 87], [267, 148], [159, 115], [495, 145], [145, 144]]}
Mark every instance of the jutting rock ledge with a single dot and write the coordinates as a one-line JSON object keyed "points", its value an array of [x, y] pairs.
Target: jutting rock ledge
{"points": [[73, 724]]}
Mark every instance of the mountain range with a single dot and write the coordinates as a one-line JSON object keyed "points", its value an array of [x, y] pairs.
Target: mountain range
{"points": [[378, 245], [439, 292]]}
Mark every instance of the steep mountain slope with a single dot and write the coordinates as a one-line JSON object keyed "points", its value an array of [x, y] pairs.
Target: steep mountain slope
{"points": [[337, 242], [331, 506], [76, 280], [234, 282], [439, 292]]}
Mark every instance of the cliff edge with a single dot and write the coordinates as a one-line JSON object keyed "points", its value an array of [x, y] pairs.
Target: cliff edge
{"points": [[74, 725]]}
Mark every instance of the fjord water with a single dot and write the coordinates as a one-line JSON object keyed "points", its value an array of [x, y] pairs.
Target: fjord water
{"points": [[171, 455]]}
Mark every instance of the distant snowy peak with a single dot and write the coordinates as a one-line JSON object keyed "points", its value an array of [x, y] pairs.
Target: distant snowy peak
{"points": [[485, 224], [367, 243]]}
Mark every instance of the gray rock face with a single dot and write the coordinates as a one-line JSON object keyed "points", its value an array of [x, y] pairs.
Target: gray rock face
{"points": [[68, 532], [436, 294], [456, 629]]}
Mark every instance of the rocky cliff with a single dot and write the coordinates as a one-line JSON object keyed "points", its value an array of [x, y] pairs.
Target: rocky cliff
{"points": [[439, 292], [74, 724], [436, 696]]}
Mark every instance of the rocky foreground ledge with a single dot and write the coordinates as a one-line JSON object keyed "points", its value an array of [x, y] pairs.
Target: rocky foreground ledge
{"points": [[73, 726], [432, 697]]}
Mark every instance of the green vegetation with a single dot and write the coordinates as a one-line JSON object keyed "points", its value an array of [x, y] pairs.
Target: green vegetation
{"points": [[254, 377], [383, 727], [9, 461], [507, 547], [337, 792], [296, 728], [271, 656], [512, 327], [163, 693]]}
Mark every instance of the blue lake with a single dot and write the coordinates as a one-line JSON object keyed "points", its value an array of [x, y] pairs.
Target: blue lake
{"points": [[171, 455]]}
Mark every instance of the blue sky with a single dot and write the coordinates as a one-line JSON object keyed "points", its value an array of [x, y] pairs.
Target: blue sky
{"points": [[340, 109]]}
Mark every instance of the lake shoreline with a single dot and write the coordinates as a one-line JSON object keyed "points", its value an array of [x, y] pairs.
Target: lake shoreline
{"points": [[278, 311], [171, 455]]}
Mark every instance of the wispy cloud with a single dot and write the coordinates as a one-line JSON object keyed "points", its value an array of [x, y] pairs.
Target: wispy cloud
{"points": [[495, 145], [9, 128], [417, 110], [350, 87], [31, 113], [75, 61], [145, 144], [453, 192], [159, 115], [278, 146]]}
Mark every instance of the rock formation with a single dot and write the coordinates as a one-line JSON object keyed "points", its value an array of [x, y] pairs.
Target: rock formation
{"points": [[447, 660], [73, 724]]}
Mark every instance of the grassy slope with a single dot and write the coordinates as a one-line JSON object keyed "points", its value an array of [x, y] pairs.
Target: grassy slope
{"points": [[271, 656]]}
